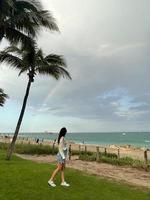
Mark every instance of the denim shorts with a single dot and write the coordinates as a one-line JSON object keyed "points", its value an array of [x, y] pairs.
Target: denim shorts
{"points": [[60, 159]]}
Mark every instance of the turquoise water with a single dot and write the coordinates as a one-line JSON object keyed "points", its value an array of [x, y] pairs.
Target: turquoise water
{"points": [[139, 139]]}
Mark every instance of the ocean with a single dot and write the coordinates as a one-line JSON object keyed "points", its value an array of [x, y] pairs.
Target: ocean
{"points": [[138, 139]]}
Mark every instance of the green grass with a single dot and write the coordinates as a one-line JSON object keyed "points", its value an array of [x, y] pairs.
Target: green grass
{"points": [[21, 180]]}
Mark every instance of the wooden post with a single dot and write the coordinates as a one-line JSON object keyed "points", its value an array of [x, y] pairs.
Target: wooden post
{"points": [[97, 153], [79, 150], [70, 152], [85, 149], [145, 156], [118, 153], [53, 148], [105, 151]]}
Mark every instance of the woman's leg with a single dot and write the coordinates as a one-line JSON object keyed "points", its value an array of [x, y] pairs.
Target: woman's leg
{"points": [[59, 167], [63, 182], [62, 173]]}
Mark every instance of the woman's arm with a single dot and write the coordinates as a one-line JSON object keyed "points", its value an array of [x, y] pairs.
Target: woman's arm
{"points": [[61, 147]]}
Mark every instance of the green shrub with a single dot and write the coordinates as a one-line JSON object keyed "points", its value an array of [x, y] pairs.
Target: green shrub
{"points": [[87, 157], [31, 149], [114, 160], [3, 146], [109, 155]]}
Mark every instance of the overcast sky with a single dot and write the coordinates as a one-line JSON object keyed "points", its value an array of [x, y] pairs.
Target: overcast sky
{"points": [[107, 47]]}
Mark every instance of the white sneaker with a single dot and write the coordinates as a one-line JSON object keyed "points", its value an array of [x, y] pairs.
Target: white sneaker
{"points": [[51, 183], [65, 184]]}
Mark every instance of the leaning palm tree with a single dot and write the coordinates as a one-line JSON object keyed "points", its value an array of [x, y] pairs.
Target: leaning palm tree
{"points": [[22, 19], [3, 97], [33, 62]]}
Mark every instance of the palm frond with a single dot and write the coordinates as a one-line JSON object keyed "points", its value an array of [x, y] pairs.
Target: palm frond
{"points": [[4, 11], [54, 59], [23, 23], [20, 19], [23, 19], [14, 61], [54, 70], [35, 15], [52, 65], [1, 32], [45, 19], [39, 54], [14, 36], [31, 5], [13, 49], [3, 97]]}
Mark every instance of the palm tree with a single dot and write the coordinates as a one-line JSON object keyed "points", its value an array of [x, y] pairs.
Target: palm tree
{"points": [[3, 97], [34, 62], [22, 19]]}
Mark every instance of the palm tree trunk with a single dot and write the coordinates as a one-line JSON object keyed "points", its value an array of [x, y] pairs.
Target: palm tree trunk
{"points": [[12, 145]]}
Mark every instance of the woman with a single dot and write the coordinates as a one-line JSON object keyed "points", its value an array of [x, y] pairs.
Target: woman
{"points": [[61, 159]]}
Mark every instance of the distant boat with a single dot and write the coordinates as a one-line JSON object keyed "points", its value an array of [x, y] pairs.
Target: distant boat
{"points": [[47, 132], [123, 133]]}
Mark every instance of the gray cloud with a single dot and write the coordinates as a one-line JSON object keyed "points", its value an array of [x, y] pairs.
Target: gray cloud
{"points": [[106, 44]]}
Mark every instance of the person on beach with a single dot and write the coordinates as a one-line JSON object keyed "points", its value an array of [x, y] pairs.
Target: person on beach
{"points": [[61, 159]]}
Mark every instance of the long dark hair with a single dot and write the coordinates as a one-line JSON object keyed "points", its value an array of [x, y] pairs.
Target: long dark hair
{"points": [[62, 132]]}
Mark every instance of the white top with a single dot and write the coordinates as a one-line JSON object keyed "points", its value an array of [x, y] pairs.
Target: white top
{"points": [[62, 147]]}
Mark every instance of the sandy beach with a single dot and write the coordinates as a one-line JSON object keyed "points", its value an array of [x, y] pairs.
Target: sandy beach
{"points": [[123, 151]]}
